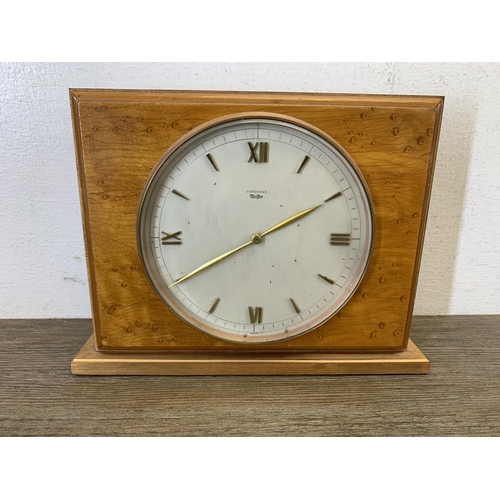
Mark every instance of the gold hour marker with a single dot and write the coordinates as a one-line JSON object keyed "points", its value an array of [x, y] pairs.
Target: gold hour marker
{"points": [[259, 152], [333, 196], [180, 194], [214, 305], [304, 162], [255, 314], [168, 236], [326, 279], [212, 161], [295, 306], [340, 239]]}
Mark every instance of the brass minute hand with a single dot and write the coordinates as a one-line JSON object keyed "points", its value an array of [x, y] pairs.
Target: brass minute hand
{"points": [[256, 238], [291, 219]]}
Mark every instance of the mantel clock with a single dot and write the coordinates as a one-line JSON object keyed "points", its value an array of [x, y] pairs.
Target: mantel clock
{"points": [[253, 233]]}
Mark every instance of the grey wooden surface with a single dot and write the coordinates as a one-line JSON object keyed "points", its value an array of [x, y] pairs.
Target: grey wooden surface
{"points": [[459, 397]]}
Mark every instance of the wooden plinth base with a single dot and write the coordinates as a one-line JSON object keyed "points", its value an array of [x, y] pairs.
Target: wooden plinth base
{"points": [[91, 362]]}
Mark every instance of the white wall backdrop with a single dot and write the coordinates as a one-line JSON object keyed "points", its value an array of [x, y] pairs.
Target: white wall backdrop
{"points": [[42, 257]]}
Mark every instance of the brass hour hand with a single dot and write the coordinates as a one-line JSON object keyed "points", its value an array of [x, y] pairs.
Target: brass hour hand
{"points": [[211, 263], [256, 239]]}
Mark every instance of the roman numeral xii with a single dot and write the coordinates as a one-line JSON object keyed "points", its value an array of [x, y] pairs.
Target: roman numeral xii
{"points": [[259, 152]]}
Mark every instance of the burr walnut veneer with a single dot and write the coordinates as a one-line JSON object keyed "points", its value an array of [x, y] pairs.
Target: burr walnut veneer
{"points": [[120, 136]]}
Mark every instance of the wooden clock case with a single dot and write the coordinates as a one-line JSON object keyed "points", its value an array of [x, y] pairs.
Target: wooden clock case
{"points": [[120, 136]]}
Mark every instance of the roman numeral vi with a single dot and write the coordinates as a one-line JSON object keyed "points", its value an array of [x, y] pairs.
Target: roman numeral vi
{"points": [[255, 314]]}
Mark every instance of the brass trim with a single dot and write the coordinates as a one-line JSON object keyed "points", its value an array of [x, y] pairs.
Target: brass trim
{"points": [[180, 194], [212, 161], [214, 305], [295, 306], [326, 279], [303, 164]]}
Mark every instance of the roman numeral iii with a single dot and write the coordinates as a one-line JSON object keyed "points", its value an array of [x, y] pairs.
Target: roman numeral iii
{"points": [[340, 239], [259, 152]]}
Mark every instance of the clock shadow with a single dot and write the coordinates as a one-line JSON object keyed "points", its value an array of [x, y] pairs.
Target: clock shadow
{"points": [[446, 210]]}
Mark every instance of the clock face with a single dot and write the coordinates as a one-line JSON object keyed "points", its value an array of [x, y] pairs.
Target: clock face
{"points": [[255, 230]]}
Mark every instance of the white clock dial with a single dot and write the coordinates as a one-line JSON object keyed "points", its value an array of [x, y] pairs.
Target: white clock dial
{"points": [[255, 230]]}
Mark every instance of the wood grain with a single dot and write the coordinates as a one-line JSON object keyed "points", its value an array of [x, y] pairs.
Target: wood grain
{"points": [[120, 135], [90, 361], [459, 397]]}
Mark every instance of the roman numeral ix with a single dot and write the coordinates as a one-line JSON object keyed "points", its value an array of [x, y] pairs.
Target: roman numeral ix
{"points": [[171, 236]]}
